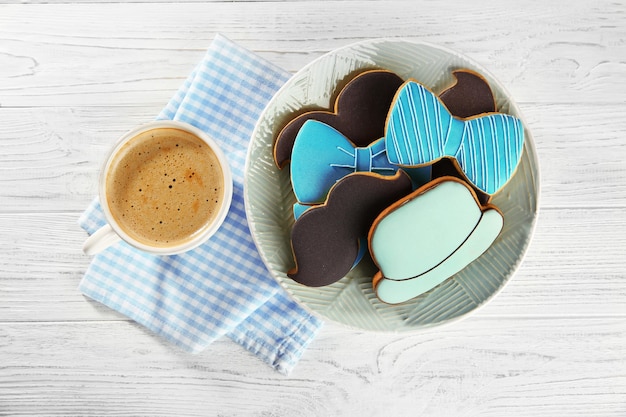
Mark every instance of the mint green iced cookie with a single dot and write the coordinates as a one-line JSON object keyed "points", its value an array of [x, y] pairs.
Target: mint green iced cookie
{"points": [[428, 237]]}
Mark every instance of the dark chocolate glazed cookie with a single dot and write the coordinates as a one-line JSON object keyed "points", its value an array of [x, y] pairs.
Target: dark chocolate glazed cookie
{"points": [[469, 96], [325, 239]]}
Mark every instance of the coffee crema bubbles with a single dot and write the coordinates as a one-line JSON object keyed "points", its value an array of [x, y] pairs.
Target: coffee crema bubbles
{"points": [[164, 187]]}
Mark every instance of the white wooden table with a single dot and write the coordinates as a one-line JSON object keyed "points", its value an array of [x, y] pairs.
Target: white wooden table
{"points": [[73, 77]]}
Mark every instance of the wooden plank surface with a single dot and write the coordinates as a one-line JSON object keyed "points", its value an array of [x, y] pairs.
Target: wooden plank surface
{"points": [[75, 75], [542, 51], [526, 367]]}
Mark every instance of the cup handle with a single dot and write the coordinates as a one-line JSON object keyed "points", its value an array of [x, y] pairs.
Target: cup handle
{"points": [[100, 240]]}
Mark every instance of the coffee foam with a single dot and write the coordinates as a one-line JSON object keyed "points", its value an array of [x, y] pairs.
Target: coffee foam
{"points": [[164, 187]]}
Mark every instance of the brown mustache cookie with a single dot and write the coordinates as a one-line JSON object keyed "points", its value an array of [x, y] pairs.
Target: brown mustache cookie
{"points": [[469, 96], [325, 239]]}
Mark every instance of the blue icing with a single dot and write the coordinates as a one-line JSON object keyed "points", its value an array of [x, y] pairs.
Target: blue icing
{"points": [[298, 209], [421, 130], [424, 230], [428, 238], [321, 156], [419, 175]]}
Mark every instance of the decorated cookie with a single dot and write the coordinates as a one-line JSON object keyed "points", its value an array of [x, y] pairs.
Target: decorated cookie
{"points": [[359, 112], [298, 209], [322, 155], [325, 238], [420, 130], [469, 96], [428, 236]]}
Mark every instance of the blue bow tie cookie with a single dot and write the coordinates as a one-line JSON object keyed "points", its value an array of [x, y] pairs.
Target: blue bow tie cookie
{"points": [[421, 130], [321, 156]]}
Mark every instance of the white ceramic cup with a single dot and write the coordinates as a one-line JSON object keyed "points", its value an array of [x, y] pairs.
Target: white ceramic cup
{"points": [[113, 232]]}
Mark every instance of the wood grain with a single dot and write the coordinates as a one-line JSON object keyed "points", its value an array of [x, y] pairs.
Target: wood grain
{"points": [[542, 51], [485, 367], [76, 75]]}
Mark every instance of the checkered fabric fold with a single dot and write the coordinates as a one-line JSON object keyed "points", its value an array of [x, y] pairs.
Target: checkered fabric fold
{"points": [[222, 287]]}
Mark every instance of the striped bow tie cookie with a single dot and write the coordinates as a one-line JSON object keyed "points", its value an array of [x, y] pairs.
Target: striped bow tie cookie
{"points": [[420, 130]]}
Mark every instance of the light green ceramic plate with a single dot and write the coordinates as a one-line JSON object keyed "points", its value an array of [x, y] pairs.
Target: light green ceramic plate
{"points": [[351, 301]]}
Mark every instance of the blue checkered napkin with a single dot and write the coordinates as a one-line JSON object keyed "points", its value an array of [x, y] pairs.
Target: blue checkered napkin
{"points": [[222, 287]]}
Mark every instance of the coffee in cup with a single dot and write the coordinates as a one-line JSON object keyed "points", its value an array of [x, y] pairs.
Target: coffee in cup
{"points": [[165, 189]]}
